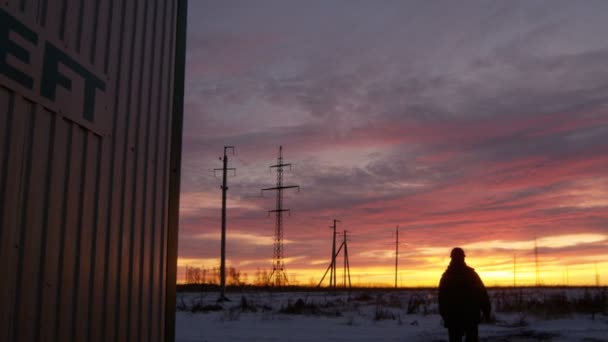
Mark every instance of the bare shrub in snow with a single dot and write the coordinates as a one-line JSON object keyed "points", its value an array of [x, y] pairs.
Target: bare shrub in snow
{"points": [[419, 304], [382, 313]]}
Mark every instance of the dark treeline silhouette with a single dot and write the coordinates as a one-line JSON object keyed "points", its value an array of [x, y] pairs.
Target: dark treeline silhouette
{"points": [[234, 277]]}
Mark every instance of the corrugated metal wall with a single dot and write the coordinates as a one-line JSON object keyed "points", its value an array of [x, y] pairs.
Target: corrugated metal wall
{"points": [[84, 203]]}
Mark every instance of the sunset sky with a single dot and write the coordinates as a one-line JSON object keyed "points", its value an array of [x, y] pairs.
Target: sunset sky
{"points": [[480, 124]]}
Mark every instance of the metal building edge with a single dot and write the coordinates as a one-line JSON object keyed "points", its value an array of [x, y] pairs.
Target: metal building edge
{"points": [[175, 164], [90, 174]]}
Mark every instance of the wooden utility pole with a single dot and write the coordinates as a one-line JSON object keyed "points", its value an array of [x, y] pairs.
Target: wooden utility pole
{"points": [[332, 268], [223, 243], [346, 263], [332, 275], [396, 254], [514, 269], [597, 276], [536, 262]]}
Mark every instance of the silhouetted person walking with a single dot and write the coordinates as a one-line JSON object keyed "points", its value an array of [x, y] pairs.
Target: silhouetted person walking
{"points": [[462, 298]]}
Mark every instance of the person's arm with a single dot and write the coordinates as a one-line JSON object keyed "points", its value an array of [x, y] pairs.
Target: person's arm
{"points": [[441, 298], [484, 299]]}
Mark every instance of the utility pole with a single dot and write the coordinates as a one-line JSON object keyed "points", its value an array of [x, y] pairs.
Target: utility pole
{"points": [[536, 262], [332, 275], [396, 253], [332, 263], [278, 267], [514, 270], [346, 263], [597, 276], [330, 267], [224, 188]]}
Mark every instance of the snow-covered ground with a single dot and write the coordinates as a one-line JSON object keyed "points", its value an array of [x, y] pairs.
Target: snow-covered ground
{"points": [[375, 316]]}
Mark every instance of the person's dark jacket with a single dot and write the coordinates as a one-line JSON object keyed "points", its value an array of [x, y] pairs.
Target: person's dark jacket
{"points": [[462, 296]]}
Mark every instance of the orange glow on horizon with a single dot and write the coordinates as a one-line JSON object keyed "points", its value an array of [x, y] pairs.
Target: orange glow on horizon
{"points": [[579, 275], [495, 268]]}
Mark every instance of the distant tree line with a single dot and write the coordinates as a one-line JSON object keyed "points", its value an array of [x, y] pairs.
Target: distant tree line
{"points": [[234, 277]]}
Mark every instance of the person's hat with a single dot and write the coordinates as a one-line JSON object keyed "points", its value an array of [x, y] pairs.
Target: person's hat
{"points": [[457, 253]]}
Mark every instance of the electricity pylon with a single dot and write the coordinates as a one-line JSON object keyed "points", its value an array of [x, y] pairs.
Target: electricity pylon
{"points": [[224, 188], [278, 267]]}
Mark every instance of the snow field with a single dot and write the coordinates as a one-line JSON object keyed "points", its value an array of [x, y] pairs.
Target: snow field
{"points": [[408, 315]]}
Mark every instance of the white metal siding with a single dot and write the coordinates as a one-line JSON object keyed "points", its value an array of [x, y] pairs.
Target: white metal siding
{"points": [[84, 205]]}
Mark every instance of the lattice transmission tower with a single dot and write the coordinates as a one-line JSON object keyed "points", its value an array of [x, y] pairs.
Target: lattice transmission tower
{"points": [[278, 277]]}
